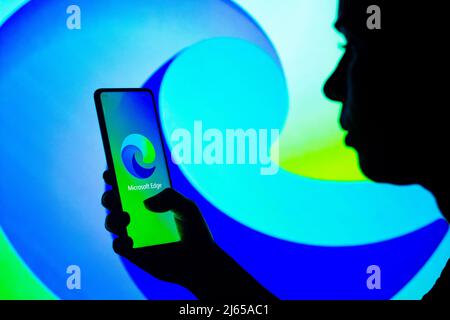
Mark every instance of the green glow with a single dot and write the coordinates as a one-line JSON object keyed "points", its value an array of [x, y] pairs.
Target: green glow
{"points": [[17, 282], [311, 143]]}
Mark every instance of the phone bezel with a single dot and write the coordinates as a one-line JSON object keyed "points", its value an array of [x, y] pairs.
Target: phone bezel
{"points": [[105, 137]]}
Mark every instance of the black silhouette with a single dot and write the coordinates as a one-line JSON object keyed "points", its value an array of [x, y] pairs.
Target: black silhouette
{"points": [[196, 262], [393, 110]]}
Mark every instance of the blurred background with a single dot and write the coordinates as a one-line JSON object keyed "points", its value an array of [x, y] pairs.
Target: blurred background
{"points": [[308, 232]]}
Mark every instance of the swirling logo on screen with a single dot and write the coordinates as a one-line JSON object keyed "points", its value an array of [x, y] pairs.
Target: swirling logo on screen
{"points": [[138, 155]]}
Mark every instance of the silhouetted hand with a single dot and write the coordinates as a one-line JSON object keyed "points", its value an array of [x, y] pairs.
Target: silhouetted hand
{"points": [[196, 262]]}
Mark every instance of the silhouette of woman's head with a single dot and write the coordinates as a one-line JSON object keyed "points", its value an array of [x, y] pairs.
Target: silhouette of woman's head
{"points": [[393, 102]]}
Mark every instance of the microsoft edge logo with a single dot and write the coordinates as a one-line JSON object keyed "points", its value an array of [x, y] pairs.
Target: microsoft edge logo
{"points": [[138, 154]]}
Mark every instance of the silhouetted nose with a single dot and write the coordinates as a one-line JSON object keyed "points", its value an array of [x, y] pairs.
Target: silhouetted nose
{"points": [[335, 87]]}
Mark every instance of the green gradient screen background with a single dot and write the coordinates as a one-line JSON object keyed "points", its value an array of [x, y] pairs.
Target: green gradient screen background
{"points": [[128, 113]]}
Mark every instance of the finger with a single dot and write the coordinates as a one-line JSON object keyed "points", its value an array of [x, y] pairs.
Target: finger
{"points": [[117, 222], [171, 200], [108, 177], [110, 200], [123, 246], [189, 220]]}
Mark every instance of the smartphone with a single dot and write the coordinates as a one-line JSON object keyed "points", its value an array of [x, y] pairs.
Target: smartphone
{"points": [[133, 144]]}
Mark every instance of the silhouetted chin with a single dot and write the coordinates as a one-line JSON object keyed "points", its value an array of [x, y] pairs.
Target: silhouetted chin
{"points": [[384, 170]]}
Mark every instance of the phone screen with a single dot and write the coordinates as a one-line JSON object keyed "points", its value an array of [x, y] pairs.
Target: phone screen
{"points": [[133, 137]]}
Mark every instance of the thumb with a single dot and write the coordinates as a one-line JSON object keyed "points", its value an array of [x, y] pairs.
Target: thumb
{"points": [[188, 218]]}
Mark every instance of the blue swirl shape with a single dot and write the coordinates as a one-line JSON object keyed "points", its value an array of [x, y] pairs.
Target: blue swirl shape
{"points": [[129, 154], [55, 66]]}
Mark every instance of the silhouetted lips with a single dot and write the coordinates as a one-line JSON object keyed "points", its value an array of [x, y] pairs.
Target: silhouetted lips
{"points": [[349, 140]]}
